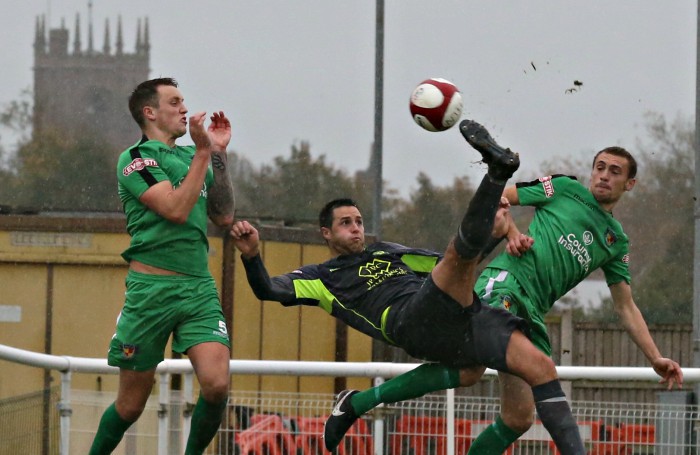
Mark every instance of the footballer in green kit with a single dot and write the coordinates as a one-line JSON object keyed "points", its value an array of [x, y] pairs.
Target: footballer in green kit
{"points": [[575, 236], [572, 234], [169, 192]]}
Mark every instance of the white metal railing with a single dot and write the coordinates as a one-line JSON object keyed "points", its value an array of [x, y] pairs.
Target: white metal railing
{"points": [[66, 365]]}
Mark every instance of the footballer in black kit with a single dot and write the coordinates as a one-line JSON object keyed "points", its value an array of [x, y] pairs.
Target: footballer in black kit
{"points": [[421, 301], [386, 292]]}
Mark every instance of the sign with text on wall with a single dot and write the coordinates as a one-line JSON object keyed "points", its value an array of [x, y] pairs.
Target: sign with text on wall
{"points": [[10, 313], [51, 239]]}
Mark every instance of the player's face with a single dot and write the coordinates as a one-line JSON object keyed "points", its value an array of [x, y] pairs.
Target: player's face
{"points": [[171, 112], [347, 234], [609, 179]]}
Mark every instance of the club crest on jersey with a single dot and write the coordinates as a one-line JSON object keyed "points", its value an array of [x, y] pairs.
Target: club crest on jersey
{"points": [[375, 268], [505, 301], [610, 237], [128, 350], [138, 164], [547, 186], [378, 271]]}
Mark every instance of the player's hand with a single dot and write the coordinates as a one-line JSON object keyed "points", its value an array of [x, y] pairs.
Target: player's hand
{"points": [[246, 239], [219, 131], [197, 133], [519, 244], [670, 372]]}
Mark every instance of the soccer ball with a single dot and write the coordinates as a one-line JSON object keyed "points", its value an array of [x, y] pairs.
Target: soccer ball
{"points": [[436, 104]]}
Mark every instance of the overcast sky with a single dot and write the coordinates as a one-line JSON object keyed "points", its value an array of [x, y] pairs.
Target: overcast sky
{"points": [[303, 70]]}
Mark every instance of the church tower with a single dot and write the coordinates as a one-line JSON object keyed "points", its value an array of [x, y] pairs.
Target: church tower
{"points": [[80, 90]]}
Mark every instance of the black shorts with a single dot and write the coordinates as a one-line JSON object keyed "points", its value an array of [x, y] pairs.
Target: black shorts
{"points": [[432, 326]]}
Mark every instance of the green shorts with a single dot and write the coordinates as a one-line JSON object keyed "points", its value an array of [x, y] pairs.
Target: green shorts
{"points": [[500, 289], [156, 306]]}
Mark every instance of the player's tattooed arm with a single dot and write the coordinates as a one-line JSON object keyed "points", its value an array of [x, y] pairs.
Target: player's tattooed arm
{"points": [[220, 199]]}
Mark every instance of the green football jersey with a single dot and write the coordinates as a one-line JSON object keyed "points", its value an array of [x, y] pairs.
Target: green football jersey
{"points": [[573, 237], [156, 241]]}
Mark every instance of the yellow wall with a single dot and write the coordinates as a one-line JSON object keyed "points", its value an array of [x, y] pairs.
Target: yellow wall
{"points": [[23, 286], [77, 272]]}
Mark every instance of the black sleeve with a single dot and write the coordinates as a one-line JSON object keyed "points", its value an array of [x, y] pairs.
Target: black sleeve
{"points": [[278, 289]]}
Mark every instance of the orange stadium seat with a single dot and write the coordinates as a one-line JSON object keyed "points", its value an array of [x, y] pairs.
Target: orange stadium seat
{"points": [[308, 434], [428, 435], [418, 435], [638, 433], [267, 435], [357, 441]]}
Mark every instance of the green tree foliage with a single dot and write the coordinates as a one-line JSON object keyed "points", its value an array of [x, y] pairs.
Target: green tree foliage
{"points": [[15, 121], [51, 171], [58, 173], [16, 116], [429, 219], [293, 189]]}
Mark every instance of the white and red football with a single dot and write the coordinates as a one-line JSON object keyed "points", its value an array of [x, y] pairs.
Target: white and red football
{"points": [[436, 104]]}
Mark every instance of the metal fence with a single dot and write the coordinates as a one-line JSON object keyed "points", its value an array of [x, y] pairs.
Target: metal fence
{"points": [[29, 423], [269, 423], [273, 423]]}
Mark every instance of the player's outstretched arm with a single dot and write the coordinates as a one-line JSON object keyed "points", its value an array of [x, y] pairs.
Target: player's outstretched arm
{"points": [[635, 325]]}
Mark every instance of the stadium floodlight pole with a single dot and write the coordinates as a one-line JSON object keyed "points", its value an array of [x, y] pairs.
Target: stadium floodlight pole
{"points": [[378, 119], [696, 213]]}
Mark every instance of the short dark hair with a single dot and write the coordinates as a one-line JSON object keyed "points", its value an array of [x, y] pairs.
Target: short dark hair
{"points": [[622, 153], [146, 94], [325, 216]]}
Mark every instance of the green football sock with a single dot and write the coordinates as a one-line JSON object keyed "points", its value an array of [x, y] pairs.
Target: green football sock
{"points": [[206, 419], [494, 440], [109, 433], [429, 377]]}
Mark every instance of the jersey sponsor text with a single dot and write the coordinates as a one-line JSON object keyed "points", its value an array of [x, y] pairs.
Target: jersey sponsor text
{"points": [[547, 186], [139, 164], [577, 249]]}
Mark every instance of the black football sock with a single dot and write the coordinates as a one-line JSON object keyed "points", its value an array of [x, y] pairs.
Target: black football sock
{"points": [[475, 231], [555, 414]]}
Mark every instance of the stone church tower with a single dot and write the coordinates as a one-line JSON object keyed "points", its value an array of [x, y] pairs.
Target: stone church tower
{"points": [[80, 90]]}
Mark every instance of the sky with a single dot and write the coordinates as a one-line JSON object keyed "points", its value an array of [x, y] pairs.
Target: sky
{"points": [[303, 70]]}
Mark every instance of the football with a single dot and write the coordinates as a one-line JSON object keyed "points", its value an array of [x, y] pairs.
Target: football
{"points": [[436, 104]]}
